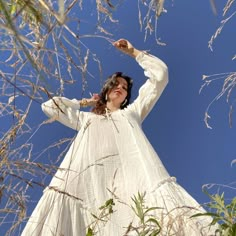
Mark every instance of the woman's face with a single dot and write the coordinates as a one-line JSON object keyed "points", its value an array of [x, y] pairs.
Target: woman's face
{"points": [[119, 92]]}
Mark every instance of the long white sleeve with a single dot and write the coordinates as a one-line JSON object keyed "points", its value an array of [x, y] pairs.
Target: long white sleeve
{"points": [[65, 111], [157, 73]]}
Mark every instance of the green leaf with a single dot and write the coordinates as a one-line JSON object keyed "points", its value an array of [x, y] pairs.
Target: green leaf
{"points": [[206, 214], [152, 209], [153, 220], [136, 213], [109, 202], [89, 232], [144, 232], [215, 220], [233, 228], [13, 9], [138, 204], [155, 232], [95, 216]]}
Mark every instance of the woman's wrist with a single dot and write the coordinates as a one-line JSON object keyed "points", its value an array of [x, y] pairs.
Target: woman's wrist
{"points": [[84, 102], [135, 53]]}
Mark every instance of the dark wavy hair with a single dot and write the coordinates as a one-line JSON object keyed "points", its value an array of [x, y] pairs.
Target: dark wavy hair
{"points": [[110, 83]]}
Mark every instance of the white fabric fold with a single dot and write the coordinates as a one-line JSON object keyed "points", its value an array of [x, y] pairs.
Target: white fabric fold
{"points": [[102, 164]]}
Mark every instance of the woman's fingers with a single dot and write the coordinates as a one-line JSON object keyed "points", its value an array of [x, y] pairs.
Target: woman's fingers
{"points": [[95, 96], [124, 46], [121, 43]]}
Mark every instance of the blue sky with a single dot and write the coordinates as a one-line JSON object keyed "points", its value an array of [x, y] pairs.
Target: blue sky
{"points": [[191, 152]]}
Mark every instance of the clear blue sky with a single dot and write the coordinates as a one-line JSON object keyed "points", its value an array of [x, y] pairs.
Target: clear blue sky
{"points": [[191, 152]]}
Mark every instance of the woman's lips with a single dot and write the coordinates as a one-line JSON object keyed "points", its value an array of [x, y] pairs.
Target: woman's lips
{"points": [[118, 91]]}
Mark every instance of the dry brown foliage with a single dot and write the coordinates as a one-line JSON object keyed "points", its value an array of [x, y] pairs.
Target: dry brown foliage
{"points": [[228, 78], [41, 51]]}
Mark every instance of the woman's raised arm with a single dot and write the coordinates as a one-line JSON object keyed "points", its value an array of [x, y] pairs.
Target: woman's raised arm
{"points": [[157, 73]]}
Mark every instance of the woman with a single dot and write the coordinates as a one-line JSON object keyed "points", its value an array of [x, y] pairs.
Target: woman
{"points": [[112, 158]]}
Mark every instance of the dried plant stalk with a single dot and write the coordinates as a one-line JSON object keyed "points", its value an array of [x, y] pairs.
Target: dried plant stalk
{"points": [[42, 49]]}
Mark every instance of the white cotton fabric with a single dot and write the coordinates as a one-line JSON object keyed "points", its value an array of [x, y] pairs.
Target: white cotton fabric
{"points": [[112, 158]]}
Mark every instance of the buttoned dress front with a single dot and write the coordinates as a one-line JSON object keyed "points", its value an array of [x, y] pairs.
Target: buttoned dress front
{"points": [[111, 158]]}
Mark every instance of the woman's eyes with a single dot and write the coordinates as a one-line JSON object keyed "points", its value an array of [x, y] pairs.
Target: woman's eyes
{"points": [[123, 86]]}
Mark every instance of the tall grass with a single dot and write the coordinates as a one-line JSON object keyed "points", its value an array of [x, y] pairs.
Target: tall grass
{"points": [[225, 79], [43, 54], [42, 49]]}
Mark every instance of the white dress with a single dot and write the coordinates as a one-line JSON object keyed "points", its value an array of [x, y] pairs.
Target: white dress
{"points": [[112, 158]]}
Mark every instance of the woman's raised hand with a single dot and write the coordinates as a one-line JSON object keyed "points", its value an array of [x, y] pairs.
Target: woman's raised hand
{"points": [[92, 101], [126, 47]]}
